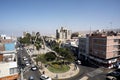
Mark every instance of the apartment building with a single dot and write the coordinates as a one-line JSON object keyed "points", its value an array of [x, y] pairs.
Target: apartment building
{"points": [[104, 48], [83, 48], [8, 60], [63, 34]]}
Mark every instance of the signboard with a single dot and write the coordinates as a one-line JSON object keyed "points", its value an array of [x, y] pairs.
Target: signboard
{"points": [[9, 46]]}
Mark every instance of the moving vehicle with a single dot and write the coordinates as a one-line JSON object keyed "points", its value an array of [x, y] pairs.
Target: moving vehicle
{"points": [[44, 77], [31, 78]]}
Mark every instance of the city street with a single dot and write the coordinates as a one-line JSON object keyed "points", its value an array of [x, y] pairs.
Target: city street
{"points": [[60, 40], [27, 72], [86, 69], [91, 73]]}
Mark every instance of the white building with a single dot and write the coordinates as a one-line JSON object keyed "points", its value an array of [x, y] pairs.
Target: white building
{"points": [[63, 34], [3, 36], [8, 65], [8, 60]]}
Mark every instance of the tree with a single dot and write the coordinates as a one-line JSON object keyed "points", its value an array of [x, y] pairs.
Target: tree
{"points": [[40, 58], [50, 56], [26, 39], [67, 55], [38, 46], [38, 34], [28, 35], [54, 44], [56, 49]]}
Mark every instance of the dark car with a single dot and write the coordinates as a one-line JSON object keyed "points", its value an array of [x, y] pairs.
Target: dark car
{"points": [[117, 65], [115, 75]]}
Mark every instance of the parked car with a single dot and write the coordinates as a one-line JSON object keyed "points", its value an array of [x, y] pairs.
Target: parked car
{"points": [[25, 59], [78, 62], [117, 65], [44, 77], [34, 68], [115, 75], [27, 63]]}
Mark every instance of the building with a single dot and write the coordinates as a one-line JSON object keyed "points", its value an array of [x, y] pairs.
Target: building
{"points": [[83, 48], [63, 34], [33, 34], [3, 36], [24, 34], [8, 60], [103, 48]]}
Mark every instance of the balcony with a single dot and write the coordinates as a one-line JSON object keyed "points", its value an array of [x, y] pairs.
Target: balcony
{"points": [[116, 48], [116, 53], [116, 42]]}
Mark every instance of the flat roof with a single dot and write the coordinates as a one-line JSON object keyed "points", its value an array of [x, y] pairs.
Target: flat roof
{"points": [[8, 52]]}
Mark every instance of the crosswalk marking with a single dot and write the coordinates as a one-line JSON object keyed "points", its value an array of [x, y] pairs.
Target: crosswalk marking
{"points": [[94, 73], [84, 78]]}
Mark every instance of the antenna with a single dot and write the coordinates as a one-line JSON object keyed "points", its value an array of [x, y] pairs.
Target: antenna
{"points": [[111, 25], [90, 29]]}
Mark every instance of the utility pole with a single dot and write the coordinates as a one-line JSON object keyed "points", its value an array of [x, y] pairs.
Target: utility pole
{"points": [[21, 74], [90, 29]]}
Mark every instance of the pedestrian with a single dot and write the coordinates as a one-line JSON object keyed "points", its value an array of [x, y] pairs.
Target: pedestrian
{"points": [[56, 75], [43, 72]]}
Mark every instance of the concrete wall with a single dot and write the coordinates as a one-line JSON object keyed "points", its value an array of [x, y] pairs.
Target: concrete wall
{"points": [[5, 68]]}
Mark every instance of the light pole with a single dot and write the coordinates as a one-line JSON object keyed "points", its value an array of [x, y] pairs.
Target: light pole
{"points": [[21, 74]]}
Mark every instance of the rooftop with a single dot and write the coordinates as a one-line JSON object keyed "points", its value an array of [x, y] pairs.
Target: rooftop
{"points": [[105, 33]]}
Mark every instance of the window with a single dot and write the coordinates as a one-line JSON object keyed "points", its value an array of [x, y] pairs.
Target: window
{"points": [[13, 70], [115, 52], [116, 40], [99, 40]]}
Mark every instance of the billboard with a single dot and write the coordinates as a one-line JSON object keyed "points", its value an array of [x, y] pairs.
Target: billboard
{"points": [[9, 46]]}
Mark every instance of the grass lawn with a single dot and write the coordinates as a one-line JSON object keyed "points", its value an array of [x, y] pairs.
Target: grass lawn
{"points": [[58, 68]]}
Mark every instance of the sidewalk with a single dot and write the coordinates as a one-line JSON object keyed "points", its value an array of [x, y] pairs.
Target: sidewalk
{"points": [[65, 75]]}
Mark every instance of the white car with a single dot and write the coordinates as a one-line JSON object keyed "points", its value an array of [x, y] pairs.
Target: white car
{"points": [[31, 78], [34, 67], [27, 63], [44, 77], [24, 58], [78, 62]]}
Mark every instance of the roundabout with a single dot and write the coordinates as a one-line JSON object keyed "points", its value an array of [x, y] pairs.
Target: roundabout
{"points": [[73, 71], [56, 68]]}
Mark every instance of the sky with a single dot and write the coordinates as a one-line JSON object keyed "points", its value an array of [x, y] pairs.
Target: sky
{"points": [[45, 16]]}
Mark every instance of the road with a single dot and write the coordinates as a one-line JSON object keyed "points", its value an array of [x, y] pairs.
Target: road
{"points": [[27, 72], [86, 69], [91, 73]]}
